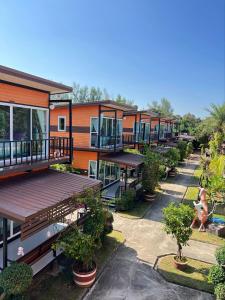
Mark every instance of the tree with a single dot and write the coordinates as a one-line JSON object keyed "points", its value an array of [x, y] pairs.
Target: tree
{"points": [[163, 107], [189, 123], [217, 113], [177, 220], [123, 100]]}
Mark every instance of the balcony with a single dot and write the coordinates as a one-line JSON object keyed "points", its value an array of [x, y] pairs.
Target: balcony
{"points": [[26, 155], [108, 142], [131, 139]]}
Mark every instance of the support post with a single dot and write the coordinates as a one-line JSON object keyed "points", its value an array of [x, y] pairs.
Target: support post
{"points": [[126, 178], [115, 130], [150, 130], [5, 245], [159, 129], [135, 129], [97, 175], [99, 124], [71, 131]]}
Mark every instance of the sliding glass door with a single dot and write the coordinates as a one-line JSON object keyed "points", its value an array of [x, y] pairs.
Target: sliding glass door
{"points": [[23, 131]]}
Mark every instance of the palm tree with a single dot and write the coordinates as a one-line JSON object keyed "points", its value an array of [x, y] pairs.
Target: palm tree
{"points": [[217, 113]]}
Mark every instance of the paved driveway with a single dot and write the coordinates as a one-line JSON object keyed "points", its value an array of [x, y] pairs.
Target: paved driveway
{"points": [[130, 274]]}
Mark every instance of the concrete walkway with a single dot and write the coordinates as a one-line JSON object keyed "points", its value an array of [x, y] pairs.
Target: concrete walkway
{"points": [[130, 275]]}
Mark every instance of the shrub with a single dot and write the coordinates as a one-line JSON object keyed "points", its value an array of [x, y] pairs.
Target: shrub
{"points": [[220, 255], [189, 149], [177, 220], [78, 246], [108, 220], [182, 145], [150, 174], [127, 200], [220, 291], [172, 157], [216, 275], [16, 279]]}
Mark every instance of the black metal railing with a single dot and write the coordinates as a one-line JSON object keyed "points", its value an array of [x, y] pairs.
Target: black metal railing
{"points": [[31, 151], [106, 142]]}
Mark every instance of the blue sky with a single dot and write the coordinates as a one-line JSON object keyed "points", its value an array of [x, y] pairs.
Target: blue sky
{"points": [[142, 49]]}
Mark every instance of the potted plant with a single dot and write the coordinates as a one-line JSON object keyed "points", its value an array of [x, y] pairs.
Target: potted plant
{"points": [[15, 279], [80, 247], [150, 174], [171, 158], [126, 200], [182, 146], [177, 220]]}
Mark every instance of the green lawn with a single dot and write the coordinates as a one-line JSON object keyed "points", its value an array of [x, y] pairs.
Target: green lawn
{"points": [[195, 276], [207, 237], [48, 287], [137, 212], [191, 195]]}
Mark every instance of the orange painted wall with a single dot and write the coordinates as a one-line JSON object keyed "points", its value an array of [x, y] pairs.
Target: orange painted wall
{"points": [[19, 95], [82, 118], [81, 159]]}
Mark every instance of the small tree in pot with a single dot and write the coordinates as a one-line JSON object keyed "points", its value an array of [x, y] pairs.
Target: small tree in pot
{"points": [[177, 220], [80, 247], [171, 158], [151, 172]]}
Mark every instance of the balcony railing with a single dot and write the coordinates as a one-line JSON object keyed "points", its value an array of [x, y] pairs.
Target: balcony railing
{"points": [[106, 142], [14, 153]]}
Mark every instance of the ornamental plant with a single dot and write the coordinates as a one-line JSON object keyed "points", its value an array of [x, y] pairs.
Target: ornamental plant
{"points": [[220, 291], [220, 255], [177, 219], [189, 149], [94, 225], [216, 275], [78, 246], [127, 200], [15, 279], [151, 173], [171, 158], [182, 146]]}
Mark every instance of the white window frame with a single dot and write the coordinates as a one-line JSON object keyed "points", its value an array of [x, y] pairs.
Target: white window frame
{"points": [[89, 165], [62, 117]]}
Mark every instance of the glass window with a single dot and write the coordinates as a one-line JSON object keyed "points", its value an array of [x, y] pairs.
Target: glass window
{"points": [[92, 169], [94, 132], [21, 124], [39, 124], [4, 123], [61, 123]]}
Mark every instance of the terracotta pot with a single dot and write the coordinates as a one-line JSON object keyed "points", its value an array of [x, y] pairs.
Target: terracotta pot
{"points": [[84, 279], [180, 265]]}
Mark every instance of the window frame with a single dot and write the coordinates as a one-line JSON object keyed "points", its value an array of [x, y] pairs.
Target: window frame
{"points": [[62, 117]]}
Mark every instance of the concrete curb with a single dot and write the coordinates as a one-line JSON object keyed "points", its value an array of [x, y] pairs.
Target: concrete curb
{"points": [[100, 273]]}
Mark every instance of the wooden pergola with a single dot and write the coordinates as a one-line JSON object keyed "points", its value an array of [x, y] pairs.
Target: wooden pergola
{"points": [[39, 199]]}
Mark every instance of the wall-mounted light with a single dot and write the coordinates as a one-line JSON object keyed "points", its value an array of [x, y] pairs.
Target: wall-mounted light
{"points": [[52, 106]]}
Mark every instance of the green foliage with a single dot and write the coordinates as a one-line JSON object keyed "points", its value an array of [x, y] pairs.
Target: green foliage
{"points": [[220, 255], [215, 143], [217, 165], [66, 168], [216, 275], [126, 201], [150, 174], [189, 123], [189, 149], [78, 246], [94, 225], [217, 113], [108, 220], [182, 146], [177, 220], [220, 291], [16, 279], [171, 158], [133, 151], [163, 107]]}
